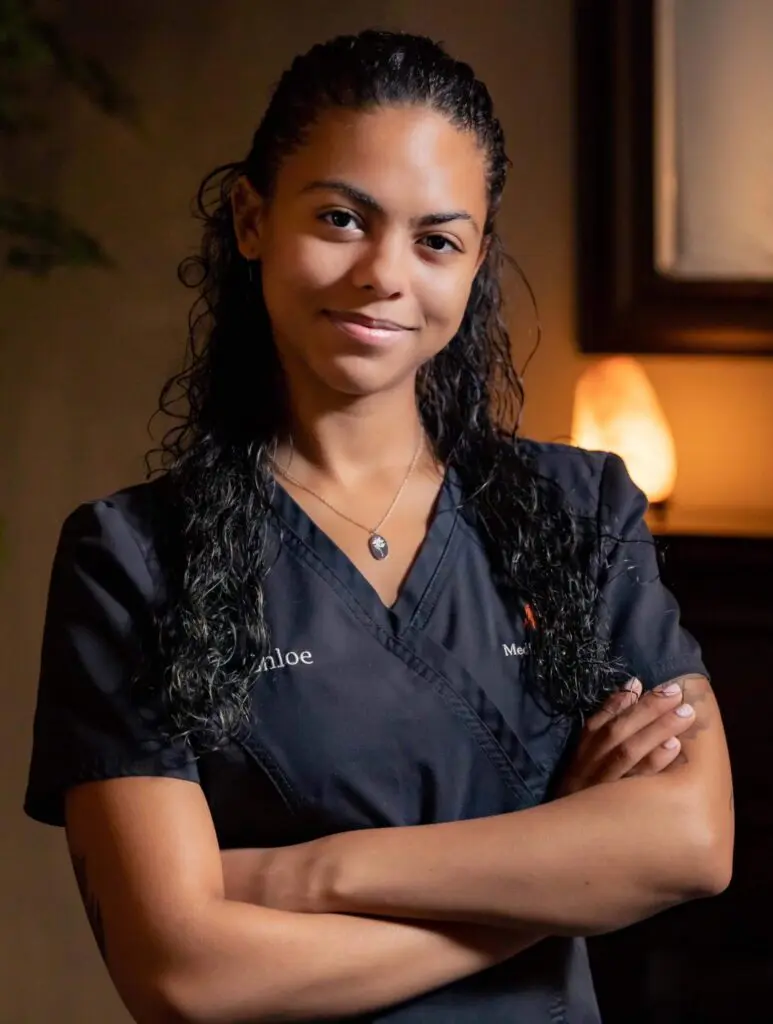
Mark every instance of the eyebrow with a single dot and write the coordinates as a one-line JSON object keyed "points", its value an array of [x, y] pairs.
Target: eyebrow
{"points": [[356, 195]]}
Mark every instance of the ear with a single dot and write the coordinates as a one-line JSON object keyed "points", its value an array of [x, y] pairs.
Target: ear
{"points": [[247, 208]]}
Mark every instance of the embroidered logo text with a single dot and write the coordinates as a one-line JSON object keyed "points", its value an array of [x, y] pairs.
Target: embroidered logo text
{"points": [[516, 650]]}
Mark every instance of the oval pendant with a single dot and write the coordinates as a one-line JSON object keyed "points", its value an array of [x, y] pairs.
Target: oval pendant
{"points": [[378, 546]]}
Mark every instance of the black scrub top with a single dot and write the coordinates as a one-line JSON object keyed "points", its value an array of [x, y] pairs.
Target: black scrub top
{"points": [[362, 716]]}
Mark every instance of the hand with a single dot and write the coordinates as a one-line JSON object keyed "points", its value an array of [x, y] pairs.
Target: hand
{"points": [[630, 735]]}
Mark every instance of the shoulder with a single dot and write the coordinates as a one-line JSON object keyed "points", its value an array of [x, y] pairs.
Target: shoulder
{"points": [[123, 530], [142, 508], [592, 483], [576, 472]]}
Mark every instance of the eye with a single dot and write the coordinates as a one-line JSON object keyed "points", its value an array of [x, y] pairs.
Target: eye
{"points": [[342, 219], [440, 243]]}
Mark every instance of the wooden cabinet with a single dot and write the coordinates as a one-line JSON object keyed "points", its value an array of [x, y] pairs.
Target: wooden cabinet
{"points": [[705, 961]]}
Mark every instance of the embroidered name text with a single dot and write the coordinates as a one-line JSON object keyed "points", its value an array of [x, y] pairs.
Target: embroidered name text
{"points": [[280, 659]]}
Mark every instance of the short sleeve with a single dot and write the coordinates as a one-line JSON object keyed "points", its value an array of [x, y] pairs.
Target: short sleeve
{"points": [[638, 614], [89, 724]]}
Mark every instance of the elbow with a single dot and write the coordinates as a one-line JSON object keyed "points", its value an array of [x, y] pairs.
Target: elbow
{"points": [[168, 998], [708, 861], [700, 866], [152, 1007], [715, 864], [171, 1003], [176, 1000], [696, 837], [156, 1003], [190, 998]]}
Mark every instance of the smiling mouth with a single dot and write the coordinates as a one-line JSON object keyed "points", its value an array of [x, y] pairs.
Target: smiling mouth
{"points": [[366, 328]]}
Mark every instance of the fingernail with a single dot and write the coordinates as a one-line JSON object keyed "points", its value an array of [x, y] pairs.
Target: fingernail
{"points": [[670, 744], [684, 710], [634, 686], [669, 689]]}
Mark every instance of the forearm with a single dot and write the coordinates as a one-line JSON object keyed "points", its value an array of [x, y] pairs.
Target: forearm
{"points": [[588, 863], [244, 963]]}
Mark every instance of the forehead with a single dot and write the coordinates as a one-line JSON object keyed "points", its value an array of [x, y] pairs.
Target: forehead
{"points": [[408, 158]]}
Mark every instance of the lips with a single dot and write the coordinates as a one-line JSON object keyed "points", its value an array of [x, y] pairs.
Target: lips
{"points": [[372, 323], [367, 329]]}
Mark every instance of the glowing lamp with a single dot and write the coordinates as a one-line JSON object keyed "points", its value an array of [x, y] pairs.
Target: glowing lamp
{"points": [[616, 410]]}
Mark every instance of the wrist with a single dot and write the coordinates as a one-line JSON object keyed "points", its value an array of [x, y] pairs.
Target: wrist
{"points": [[241, 871], [323, 892]]}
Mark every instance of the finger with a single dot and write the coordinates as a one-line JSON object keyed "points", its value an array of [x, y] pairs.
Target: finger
{"points": [[625, 697], [634, 686], [621, 759], [661, 757], [604, 752], [638, 716]]}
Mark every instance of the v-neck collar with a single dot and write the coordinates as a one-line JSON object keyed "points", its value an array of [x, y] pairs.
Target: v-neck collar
{"points": [[431, 558]]}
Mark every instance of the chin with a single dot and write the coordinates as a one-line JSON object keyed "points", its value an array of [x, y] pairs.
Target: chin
{"points": [[358, 378], [361, 385]]}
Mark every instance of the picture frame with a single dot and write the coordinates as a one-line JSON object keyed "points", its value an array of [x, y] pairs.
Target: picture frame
{"points": [[626, 303]]}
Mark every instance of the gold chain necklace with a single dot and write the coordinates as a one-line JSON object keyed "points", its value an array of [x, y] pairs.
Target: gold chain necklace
{"points": [[377, 542]]}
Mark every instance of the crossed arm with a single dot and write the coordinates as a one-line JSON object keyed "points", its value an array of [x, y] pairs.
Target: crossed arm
{"points": [[595, 860], [368, 919]]}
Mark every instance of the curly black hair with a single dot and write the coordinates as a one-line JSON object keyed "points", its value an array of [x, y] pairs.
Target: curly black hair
{"points": [[212, 630]]}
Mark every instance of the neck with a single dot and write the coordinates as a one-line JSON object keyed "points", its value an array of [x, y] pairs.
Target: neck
{"points": [[347, 438]]}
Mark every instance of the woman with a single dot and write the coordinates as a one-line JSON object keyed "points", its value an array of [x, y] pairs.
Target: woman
{"points": [[353, 711]]}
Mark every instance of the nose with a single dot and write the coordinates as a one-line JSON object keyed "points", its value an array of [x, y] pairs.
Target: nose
{"points": [[382, 267]]}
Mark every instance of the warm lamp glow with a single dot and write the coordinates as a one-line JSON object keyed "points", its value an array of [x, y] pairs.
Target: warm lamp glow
{"points": [[616, 410]]}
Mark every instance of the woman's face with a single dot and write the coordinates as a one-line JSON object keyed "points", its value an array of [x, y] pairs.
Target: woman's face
{"points": [[369, 245]]}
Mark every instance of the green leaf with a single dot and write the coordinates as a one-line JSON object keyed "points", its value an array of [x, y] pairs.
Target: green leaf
{"points": [[32, 50], [20, 44], [46, 239], [29, 44], [88, 75]]}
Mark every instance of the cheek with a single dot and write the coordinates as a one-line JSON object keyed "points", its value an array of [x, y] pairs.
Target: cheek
{"points": [[444, 299], [301, 267]]}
